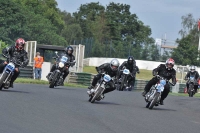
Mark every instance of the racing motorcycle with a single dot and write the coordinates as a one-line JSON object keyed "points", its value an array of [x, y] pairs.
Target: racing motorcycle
{"points": [[99, 88], [8, 72], [191, 82], [153, 97], [56, 77], [123, 81]]}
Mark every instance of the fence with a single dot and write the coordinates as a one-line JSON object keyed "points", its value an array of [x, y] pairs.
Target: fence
{"points": [[26, 72], [80, 78]]}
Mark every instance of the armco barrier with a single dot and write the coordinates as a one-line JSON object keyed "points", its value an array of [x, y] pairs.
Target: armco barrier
{"points": [[80, 78], [26, 72]]}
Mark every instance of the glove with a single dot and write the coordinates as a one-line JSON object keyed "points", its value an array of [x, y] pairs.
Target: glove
{"points": [[154, 73], [138, 72]]}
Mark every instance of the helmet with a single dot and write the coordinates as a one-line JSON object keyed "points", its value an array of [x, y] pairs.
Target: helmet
{"points": [[68, 49], [192, 69], [19, 44], [130, 60], [114, 64], [169, 63]]}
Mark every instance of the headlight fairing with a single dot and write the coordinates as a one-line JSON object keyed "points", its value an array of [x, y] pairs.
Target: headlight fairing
{"points": [[61, 64]]}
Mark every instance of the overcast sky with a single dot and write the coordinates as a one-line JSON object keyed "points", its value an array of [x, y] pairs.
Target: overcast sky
{"points": [[163, 16]]}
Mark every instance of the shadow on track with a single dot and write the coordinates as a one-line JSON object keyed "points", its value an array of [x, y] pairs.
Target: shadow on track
{"points": [[16, 91]]}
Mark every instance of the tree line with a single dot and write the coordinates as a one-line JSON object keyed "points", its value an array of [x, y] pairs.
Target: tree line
{"points": [[113, 30]]}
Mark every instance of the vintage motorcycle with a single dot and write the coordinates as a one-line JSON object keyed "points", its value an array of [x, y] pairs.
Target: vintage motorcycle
{"points": [[123, 81], [56, 78], [8, 72], [99, 88], [191, 82], [153, 97]]}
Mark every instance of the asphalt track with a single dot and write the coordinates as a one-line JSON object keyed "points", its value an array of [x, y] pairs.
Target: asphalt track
{"points": [[39, 109]]}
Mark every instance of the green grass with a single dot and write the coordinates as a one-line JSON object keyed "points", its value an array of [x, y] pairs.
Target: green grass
{"points": [[183, 94], [33, 81]]}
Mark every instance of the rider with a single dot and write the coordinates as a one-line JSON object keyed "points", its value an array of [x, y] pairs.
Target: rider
{"points": [[19, 53], [130, 64], [108, 68], [194, 74], [68, 53], [164, 70]]}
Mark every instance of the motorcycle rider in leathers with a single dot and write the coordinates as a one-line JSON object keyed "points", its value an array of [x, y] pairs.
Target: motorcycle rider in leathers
{"points": [[69, 54], [130, 64], [108, 68], [16, 51], [164, 70]]}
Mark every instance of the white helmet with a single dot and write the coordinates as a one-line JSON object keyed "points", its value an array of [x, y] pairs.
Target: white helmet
{"points": [[192, 69], [114, 64]]}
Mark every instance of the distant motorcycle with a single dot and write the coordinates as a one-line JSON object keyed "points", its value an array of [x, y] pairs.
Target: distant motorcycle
{"points": [[191, 82], [153, 97], [56, 78], [8, 72], [123, 81]]}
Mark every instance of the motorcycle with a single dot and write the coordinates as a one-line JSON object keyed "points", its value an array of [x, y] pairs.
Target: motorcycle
{"points": [[123, 81], [99, 88], [153, 97], [56, 78], [8, 72], [191, 82]]}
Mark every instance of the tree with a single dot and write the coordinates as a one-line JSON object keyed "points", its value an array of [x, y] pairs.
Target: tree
{"points": [[186, 52]]}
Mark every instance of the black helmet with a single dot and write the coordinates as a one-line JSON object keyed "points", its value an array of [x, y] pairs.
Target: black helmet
{"points": [[130, 60], [69, 48]]}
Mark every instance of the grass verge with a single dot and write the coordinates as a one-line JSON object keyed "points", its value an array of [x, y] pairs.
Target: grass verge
{"points": [[183, 94], [33, 81]]}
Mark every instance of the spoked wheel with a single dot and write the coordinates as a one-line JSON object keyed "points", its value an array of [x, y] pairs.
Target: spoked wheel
{"points": [[3, 77], [153, 102], [97, 94]]}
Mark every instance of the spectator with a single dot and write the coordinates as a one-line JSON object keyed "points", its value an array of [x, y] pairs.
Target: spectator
{"points": [[38, 65]]}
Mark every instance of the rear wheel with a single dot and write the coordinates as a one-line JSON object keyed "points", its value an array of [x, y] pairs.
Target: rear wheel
{"points": [[153, 102], [97, 94], [52, 84], [4, 76]]}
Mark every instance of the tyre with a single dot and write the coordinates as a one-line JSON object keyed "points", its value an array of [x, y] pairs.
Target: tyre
{"points": [[121, 86], [190, 90], [97, 94], [147, 106], [153, 102], [4, 76], [55, 76]]}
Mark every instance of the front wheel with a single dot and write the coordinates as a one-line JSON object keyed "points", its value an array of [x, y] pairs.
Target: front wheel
{"points": [[191, 93], [97, 94], [3, 77], [121, 87], [55, 76], [155, 99]]}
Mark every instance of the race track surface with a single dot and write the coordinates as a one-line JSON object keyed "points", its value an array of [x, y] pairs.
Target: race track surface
{"points": [[39, 109]]}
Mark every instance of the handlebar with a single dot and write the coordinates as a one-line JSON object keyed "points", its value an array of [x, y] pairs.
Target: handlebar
{"points": [[13, 60], [160, 77]]}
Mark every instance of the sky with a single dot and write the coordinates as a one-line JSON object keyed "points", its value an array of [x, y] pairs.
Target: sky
{"points": [[163, 16]]}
